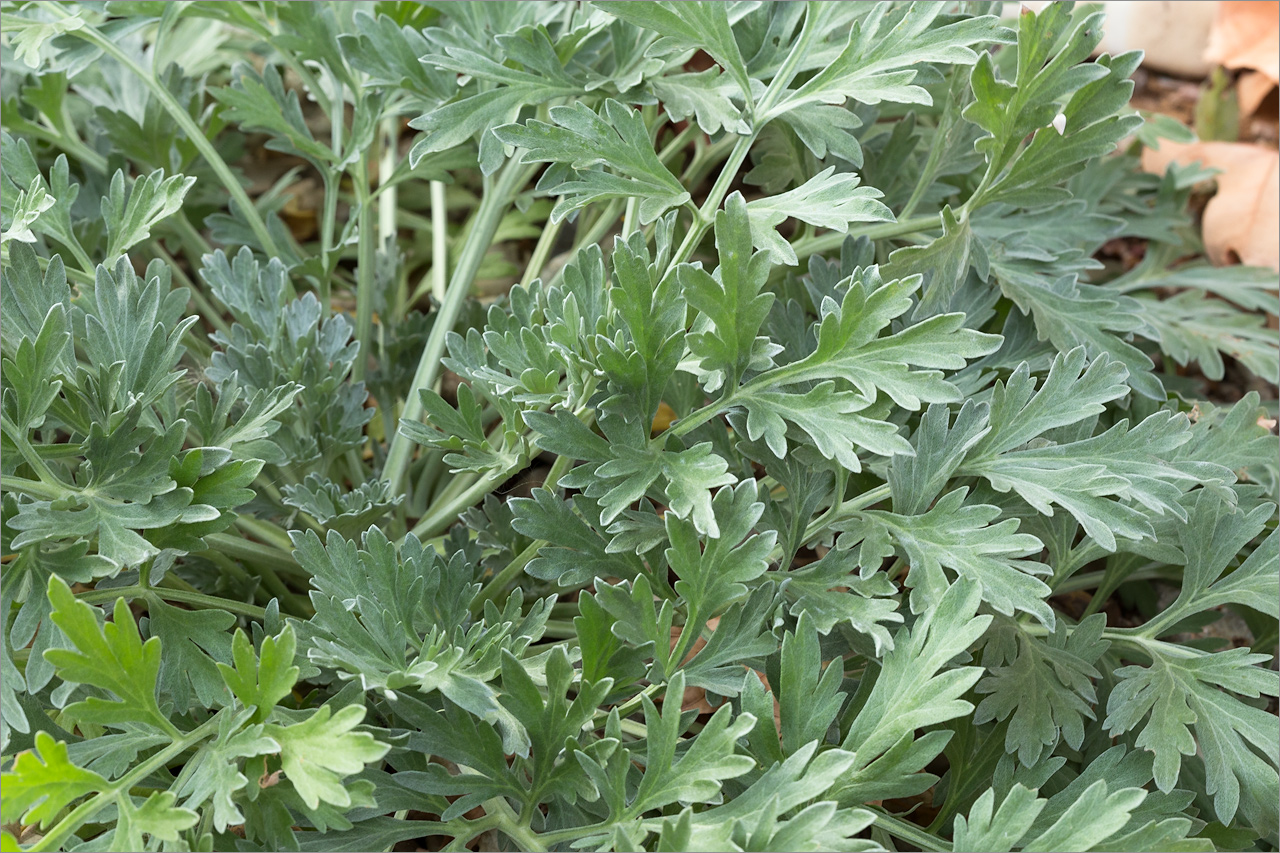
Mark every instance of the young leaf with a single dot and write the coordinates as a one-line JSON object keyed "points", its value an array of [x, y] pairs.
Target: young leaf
{"points": [[912, 689], [157, 817], [39, 786], [260, 102], [1179, 692], [690, 25], [131, 216], [712, 573], [700, 771], [111, 657], [826, 200], [1046, 686], [261, 680], [581, 139], [540, 77], [879, 61], [960, 537], [317, 753], [809, 696], [733, 302], [850, 346]]}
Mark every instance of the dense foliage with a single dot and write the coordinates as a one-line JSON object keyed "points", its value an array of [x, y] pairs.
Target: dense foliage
{"points": [[666, 426]]}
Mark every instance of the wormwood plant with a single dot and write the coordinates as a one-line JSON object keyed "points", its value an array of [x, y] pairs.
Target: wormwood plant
{"points": [[813, 487]]}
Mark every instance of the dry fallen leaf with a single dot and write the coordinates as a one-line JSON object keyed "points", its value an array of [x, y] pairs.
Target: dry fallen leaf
{"points": [[1246, 34], [1243, 218], [1252, 89]]}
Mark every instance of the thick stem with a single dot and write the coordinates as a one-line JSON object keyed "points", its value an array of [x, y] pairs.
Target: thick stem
{"points": [[909, 832], [439, 242], [444, 514], [510, 825], [54, 487], [541, 252], [195, 599], [365, 278], [488, 215], [256, 553]]}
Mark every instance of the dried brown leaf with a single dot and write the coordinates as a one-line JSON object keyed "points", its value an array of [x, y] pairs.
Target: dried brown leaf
{"points": [[1243, 218], [1246, 34]]}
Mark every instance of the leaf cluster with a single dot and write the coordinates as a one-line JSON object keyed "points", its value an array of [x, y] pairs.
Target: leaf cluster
{"points": [[619, 426]]}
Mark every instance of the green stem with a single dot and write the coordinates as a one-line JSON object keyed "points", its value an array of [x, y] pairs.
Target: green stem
{"points": [[629, 218], [439, 242], [19, 438], [71, 143], [626, 709], [908, 832], [203, 306], [1144, 645], [861, 502], [698, 417], [510, 825], [678, 142], [832, 240], [445, 513], [195, 599], [365, 279], [183, 120], [193, 242], [1091, 580], [256, 553], [387, 196], [541, 252], [706, 213], [74, 275], [328, 219], [81, 815], [266, 532], [494, 586], [484, 225], [82, 257]]}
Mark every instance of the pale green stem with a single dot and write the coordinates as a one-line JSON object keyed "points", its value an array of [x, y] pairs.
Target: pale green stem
{"points": [[256, 553], [82, 257], [445, 513], [706, 214], [833, 240], [47, 477], [74, 275], [509, 824], [439, 241], [266, 532], [387, 196], [541, 252], [629, 218], [909, 832], [328, 218], [488, 215], [494, 586], [52, 840], [184, 121], [365, 273], [195, 599]]}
